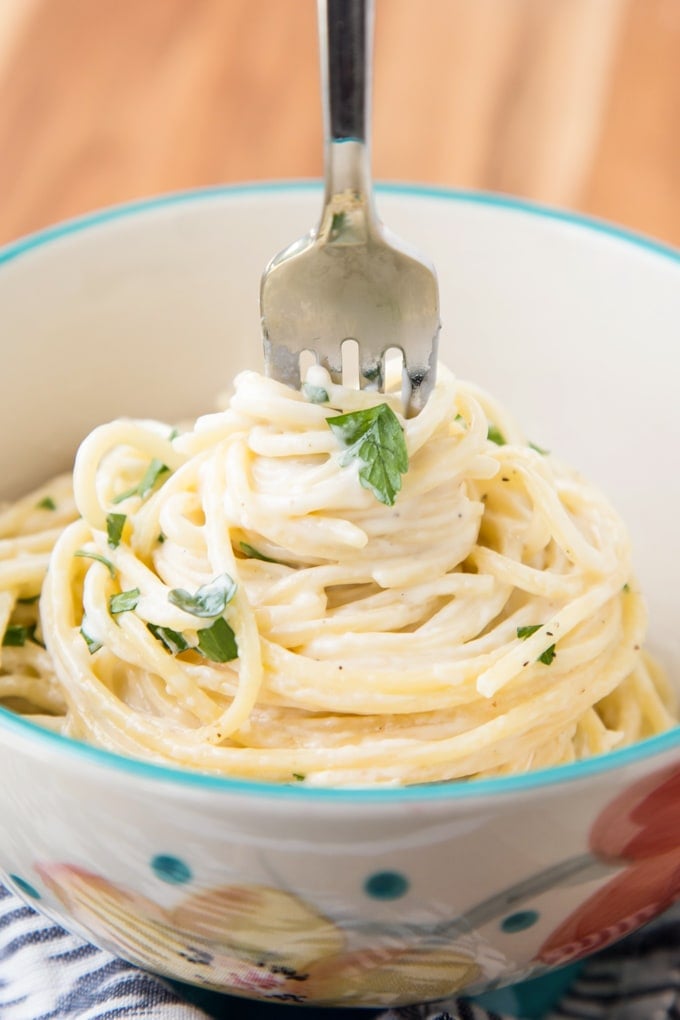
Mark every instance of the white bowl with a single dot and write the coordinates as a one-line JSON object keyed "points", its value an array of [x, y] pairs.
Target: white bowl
{"points": [[336, 896]]}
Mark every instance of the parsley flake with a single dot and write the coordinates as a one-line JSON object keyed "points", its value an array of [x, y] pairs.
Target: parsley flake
{"points": [[46, 503], [538, 449], [114, 528], [495, 435], [218, 643], [100, 559], [172, 639], [299, 776], [93, 644], [124, 601], [545, 657], [340, 221], [17, 635], [315, 394], [155, 470], [208, 601], [254, 554], [375, 439]]}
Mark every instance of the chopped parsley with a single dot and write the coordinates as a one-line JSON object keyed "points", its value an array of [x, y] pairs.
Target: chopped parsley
{"points": [[525, 632], [299, 776], [538, 449], [93, 645], [172, 639], [17, 635], [337, 224], [46, 503], [545, 657], [315, 394], [124, 601], [254, 554], [100, 559], [208, 601], [114, 528], [375, 439], [548, 655], [155, 470], [218, 642], [495, 435]]}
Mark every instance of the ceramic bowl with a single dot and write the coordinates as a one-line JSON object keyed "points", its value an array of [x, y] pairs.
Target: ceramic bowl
{"points": [[333, 896]]}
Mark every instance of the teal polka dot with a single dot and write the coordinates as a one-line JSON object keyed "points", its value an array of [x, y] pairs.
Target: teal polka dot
{"points": [[520, 921], [171, 869], [25, 887], [386, 885]]}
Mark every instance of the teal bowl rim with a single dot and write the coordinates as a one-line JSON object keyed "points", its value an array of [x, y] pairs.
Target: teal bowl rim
{"points": [[480, 789]]}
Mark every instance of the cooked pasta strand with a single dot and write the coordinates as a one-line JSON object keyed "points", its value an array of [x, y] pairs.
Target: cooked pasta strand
{"points": [[254, 611]]}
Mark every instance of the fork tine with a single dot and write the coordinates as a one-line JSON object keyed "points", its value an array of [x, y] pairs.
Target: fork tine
{"points": [[331, 359], [418, 380], [281, 363]]}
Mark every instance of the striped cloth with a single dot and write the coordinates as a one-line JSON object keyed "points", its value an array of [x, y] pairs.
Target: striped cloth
{"points": [[48, 974]]}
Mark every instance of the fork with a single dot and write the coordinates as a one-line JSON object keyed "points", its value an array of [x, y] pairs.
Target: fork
{"points": [[349, 278]]}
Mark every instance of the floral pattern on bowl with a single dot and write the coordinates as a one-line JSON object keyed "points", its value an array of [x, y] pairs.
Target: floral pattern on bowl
{"points": [[222, 937], [639, 830]]}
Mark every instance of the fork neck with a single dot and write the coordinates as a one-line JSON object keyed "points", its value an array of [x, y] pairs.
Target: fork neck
{"points": [[345, 43]]}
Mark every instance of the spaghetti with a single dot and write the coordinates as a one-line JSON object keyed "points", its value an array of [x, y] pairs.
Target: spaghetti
{"points": [[251, 598]]}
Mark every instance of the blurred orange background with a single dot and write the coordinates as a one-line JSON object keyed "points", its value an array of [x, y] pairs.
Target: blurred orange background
{"points": [[571, 102]]}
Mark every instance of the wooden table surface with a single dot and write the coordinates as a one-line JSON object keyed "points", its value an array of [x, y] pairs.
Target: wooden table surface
{"points": [[571, 102]]}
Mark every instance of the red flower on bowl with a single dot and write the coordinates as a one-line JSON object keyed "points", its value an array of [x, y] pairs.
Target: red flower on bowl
{"points": [[640, 829]]}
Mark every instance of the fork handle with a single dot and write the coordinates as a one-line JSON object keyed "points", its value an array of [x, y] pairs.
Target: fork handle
{"points": [[348, 73], [345, 40]]}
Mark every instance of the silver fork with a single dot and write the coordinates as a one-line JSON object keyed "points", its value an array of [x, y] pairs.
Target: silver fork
{"points": [[350, 278]]}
